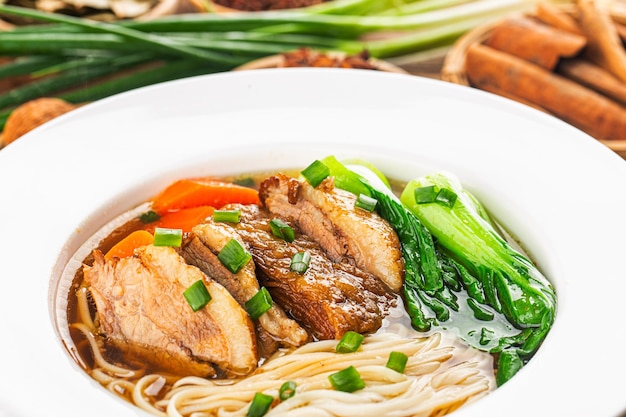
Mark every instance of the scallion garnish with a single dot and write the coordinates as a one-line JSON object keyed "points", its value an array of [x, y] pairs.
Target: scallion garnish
{"points": [[197, 295], [150, 216], [365, 202], [347, 380], [282, 230], [397, 361], [350, 342], [429, 194], [315, 173], [287, 390], [260, 405], [245, 182], [425, 194], [234, 256], [167, 237], [229, 216], [300, 262], [446, 197], [259, 303]]}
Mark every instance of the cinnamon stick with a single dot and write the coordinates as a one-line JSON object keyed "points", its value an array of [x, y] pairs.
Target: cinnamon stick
{"points": [[594, 77], [605, 47]]}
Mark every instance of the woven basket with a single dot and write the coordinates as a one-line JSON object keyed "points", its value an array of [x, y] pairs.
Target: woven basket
{"points": [[453, 69]]}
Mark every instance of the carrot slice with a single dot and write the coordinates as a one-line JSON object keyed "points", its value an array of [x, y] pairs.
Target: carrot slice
{"points": [[126, 247], [195, 192], [184, 219]]}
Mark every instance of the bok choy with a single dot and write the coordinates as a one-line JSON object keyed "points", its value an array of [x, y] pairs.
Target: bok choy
{"points": [[461, 275]]}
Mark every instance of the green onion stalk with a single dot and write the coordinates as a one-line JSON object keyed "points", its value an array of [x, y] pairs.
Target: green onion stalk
{"points": [[83, 60], [460, 273]]}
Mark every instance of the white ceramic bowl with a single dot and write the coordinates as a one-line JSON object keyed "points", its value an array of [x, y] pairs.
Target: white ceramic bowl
{"points": [[558, 190]]}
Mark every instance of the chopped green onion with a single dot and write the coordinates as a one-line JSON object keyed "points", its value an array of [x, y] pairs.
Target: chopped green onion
{"points": [[234, 256], [259, 303], [287, 390], [230, 216], [350, 342], [260, 405], [300, 262], [197, 295], [365, 202], [149, 217], [446, 197], [428, 194], [347, 380], [316, 173], [282, 230], [397, 361], [245, 182], [168, 237], [425, 194]]}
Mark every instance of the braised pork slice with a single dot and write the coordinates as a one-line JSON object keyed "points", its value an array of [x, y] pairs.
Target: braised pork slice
{"points": [[206, 242], [327, 214], [329, 298], [140, 303]]}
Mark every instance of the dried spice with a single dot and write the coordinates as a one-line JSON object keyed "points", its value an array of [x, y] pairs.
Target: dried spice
{"points": [[259, 5], [305, 57]]}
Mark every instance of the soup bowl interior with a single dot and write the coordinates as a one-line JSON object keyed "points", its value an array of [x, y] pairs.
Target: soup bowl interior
{"points": [[103, 159]]}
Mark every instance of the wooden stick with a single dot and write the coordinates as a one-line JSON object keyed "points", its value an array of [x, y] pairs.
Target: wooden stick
{"points": [[535, 41], [579, 106]]}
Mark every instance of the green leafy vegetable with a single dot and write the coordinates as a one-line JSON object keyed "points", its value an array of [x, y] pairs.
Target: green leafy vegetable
{"points": [[503, 278], [460, 273]]}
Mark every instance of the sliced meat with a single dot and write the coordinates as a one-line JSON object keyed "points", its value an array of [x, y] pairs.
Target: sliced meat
{"points": [[140, 303], [327, 214], [328, 299], [206, 242]]}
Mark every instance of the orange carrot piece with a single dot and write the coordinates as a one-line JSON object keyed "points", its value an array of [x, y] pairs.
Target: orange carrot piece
{"points": [[126, 247], [534, 41], [184, 219], [580, 106], [195, 192]]}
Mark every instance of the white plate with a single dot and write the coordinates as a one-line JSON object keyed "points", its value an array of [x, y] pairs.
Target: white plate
{"points": [[558, 190]]}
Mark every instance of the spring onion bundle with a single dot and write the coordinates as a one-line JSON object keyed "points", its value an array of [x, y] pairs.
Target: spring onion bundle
{"points": [[81, 60]]}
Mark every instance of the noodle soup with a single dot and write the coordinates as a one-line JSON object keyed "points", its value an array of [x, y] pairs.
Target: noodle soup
{"points": [[295, 340]]}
